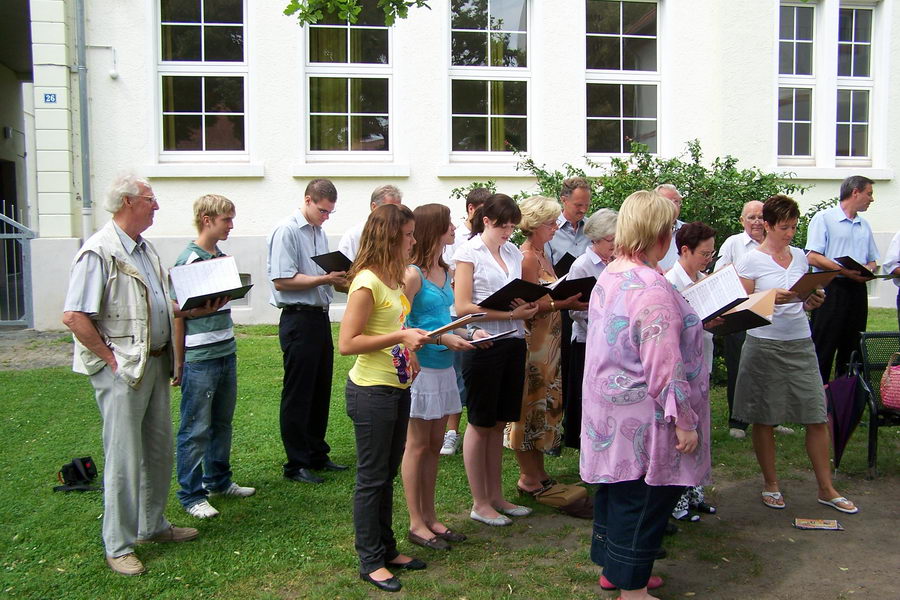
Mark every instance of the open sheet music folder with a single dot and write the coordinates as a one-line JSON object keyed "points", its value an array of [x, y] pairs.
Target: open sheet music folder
{"points": [[755, 311], [564, 287], [204, 280], [716, 293]]}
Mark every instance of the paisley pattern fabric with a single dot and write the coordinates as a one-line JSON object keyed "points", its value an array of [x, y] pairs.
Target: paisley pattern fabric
{"points": [[644, 372]]}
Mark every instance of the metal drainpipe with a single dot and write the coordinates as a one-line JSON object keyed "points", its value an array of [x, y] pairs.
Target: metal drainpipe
{"points": [[87, 218]]}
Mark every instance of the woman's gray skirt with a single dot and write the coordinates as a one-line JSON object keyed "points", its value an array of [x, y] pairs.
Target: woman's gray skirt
{"points": [[779, 382]]}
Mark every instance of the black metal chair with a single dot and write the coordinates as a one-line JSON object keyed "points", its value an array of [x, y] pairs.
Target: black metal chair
{"points": [[875, 350]]}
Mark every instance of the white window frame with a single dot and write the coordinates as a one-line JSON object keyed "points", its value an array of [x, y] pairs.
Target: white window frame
{"points": [[622, 77], [351, 71], [489, 73], [859, 83], [201, 69]]}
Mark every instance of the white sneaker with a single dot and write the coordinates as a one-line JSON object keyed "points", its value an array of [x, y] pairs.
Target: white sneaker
{"points": [[236, 491], [202, 510], [451, 443], [784, 430], [737, 434]]}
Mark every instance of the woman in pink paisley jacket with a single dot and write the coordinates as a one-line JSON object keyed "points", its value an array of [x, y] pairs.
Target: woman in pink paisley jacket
{"points": [[645, 421]]}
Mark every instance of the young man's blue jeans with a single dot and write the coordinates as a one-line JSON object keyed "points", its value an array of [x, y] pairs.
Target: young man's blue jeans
{"points": [[208, 397]]}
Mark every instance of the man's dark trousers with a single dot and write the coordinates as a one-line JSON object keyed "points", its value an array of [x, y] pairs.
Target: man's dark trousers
{"points": [[837, 323], [733, 343]]}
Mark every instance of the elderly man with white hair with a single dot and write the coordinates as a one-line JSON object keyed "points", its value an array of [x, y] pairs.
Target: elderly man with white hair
{"points": [[384, 194], [118, 308]]}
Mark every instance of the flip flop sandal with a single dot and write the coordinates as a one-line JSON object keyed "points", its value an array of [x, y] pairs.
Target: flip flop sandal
{"points": [[775, 497], [833, 503], [705, 508], [686, 516]]}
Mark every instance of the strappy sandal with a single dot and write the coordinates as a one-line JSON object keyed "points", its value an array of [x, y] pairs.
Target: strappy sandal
{"points": [[705, 508], [770, 499], [545, 485]]}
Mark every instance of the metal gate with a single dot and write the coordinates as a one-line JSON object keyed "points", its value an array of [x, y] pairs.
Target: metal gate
{"points": [[15, 273]]}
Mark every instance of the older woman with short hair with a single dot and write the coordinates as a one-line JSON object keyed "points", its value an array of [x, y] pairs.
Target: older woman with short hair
{"points": [[645, 421], [600, 229]]}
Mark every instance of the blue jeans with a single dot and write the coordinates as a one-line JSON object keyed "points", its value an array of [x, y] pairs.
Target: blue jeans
{"points": [[208, 397]]}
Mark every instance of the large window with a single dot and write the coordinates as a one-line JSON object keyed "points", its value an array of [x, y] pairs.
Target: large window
{"points": [[854, 70], [349, 83], [488, 75], [202, 71], [622, 75]]}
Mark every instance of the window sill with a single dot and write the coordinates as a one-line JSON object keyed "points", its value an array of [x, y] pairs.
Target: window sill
{"points": [[835, 173], [186, 170], [325, 169]]}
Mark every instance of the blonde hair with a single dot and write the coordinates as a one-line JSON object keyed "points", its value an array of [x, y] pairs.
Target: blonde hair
{"points": [[644, 218], [379, 245], [536, 211], [211, 205]]}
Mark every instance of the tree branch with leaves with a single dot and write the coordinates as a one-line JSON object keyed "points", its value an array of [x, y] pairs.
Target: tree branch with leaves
{"points": [[313, 11]]}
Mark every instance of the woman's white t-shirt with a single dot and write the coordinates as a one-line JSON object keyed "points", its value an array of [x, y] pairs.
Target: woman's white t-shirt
{"points": [[789, 321]]}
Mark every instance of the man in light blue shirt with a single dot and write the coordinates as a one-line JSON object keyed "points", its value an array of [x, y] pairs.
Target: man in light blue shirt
{"points": [[303, 291], [569, 237], [834, 233]]}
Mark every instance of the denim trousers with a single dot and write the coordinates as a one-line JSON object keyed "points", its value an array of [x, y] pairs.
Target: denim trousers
{"points": [[380, 414], [629, 522], [208, 397]]}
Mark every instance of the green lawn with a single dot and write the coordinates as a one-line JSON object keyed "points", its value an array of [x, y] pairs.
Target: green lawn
{"points": [[289, 540]]}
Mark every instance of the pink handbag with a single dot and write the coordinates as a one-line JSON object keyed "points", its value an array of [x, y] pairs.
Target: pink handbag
{"points": [[890, 383]]}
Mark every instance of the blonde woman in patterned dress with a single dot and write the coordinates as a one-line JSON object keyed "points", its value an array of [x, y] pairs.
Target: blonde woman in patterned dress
{"points": [[539, 428]]}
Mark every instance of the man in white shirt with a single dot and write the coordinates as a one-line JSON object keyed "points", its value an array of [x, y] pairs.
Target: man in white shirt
{"points": [[732, 251], [667, 190], [385, 194], [892, 265]]}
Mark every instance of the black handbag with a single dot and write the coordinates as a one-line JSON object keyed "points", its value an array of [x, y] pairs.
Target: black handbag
{"points": [[77, 476]]}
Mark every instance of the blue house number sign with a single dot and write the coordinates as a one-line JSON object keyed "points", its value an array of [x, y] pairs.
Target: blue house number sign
{"points": [[49, 98]]}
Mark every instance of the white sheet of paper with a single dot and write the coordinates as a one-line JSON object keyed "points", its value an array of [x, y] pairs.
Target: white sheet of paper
{"points": [[715, 291], [204, 277]]}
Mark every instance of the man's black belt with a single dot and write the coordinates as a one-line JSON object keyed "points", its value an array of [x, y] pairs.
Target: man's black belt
{"points": [[304, 307]]}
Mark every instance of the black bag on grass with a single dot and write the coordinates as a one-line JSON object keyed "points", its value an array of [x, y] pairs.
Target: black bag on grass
{"points": [[77, 476]]}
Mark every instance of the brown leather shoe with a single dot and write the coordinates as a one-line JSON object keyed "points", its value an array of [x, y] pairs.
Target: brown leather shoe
{"points": [[127, 564], [172, 534]]}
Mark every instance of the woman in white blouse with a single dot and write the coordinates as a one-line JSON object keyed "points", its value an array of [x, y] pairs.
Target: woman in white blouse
{"points": [[494, 376], [778, 379]]}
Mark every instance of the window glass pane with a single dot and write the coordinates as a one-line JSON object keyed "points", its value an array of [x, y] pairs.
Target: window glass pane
{"points": [[602, 16], [603, 53], [368, 133], [860, 108], [224, 94], [469, 49], [327, 94], [803, 105], [603, 100], [861, 60], [803, 139], [638, 18], [639, 54], [859, 140], [469, 14], [224, 43], [328, 132], [842, 145], [509, 15], [508, 134], [180, 11], [786, 23], [603, 136], [369, 95], [785, 139], [804, 23], [180, 42], [845, 25], [327, 44], [369, 46], [469, 133], [786, 58], [844, 56], [804, 58], [639, 101], [182, 132], [508, 50], [224, 132], [181, 94], [643, 132], [371, 14], [862, 27], [223, 11], [843, 106], [509, 98], [785, 104], [469, 97]]}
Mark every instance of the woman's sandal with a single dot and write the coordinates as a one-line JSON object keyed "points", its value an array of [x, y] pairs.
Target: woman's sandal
{"points": [[705, 508], [771, 499], [686, 516], [545, 485]]}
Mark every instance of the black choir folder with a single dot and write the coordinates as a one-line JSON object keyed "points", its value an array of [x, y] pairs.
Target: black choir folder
{"points": [[517, 288], [849, 263], [564, 287], [755, 311], [197, 283], [563, 265], [333, 262], [715, 294]]}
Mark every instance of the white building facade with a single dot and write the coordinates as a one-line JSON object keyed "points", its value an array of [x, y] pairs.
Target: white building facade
{"points": [[233, 97]]}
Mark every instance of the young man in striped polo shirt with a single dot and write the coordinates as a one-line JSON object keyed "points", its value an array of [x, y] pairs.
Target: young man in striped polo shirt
{"points": [[205, 367]]}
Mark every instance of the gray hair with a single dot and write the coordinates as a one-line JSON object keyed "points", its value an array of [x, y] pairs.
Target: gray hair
{"points": [[854, 183], [384, 192], [601, 224], [124, 185], [667, 187]]}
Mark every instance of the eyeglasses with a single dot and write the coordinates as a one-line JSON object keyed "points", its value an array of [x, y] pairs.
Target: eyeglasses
{"points": [[324, 212], [550, 225], [610, 239], [753, 218], [707, 254], [150, 198]]}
